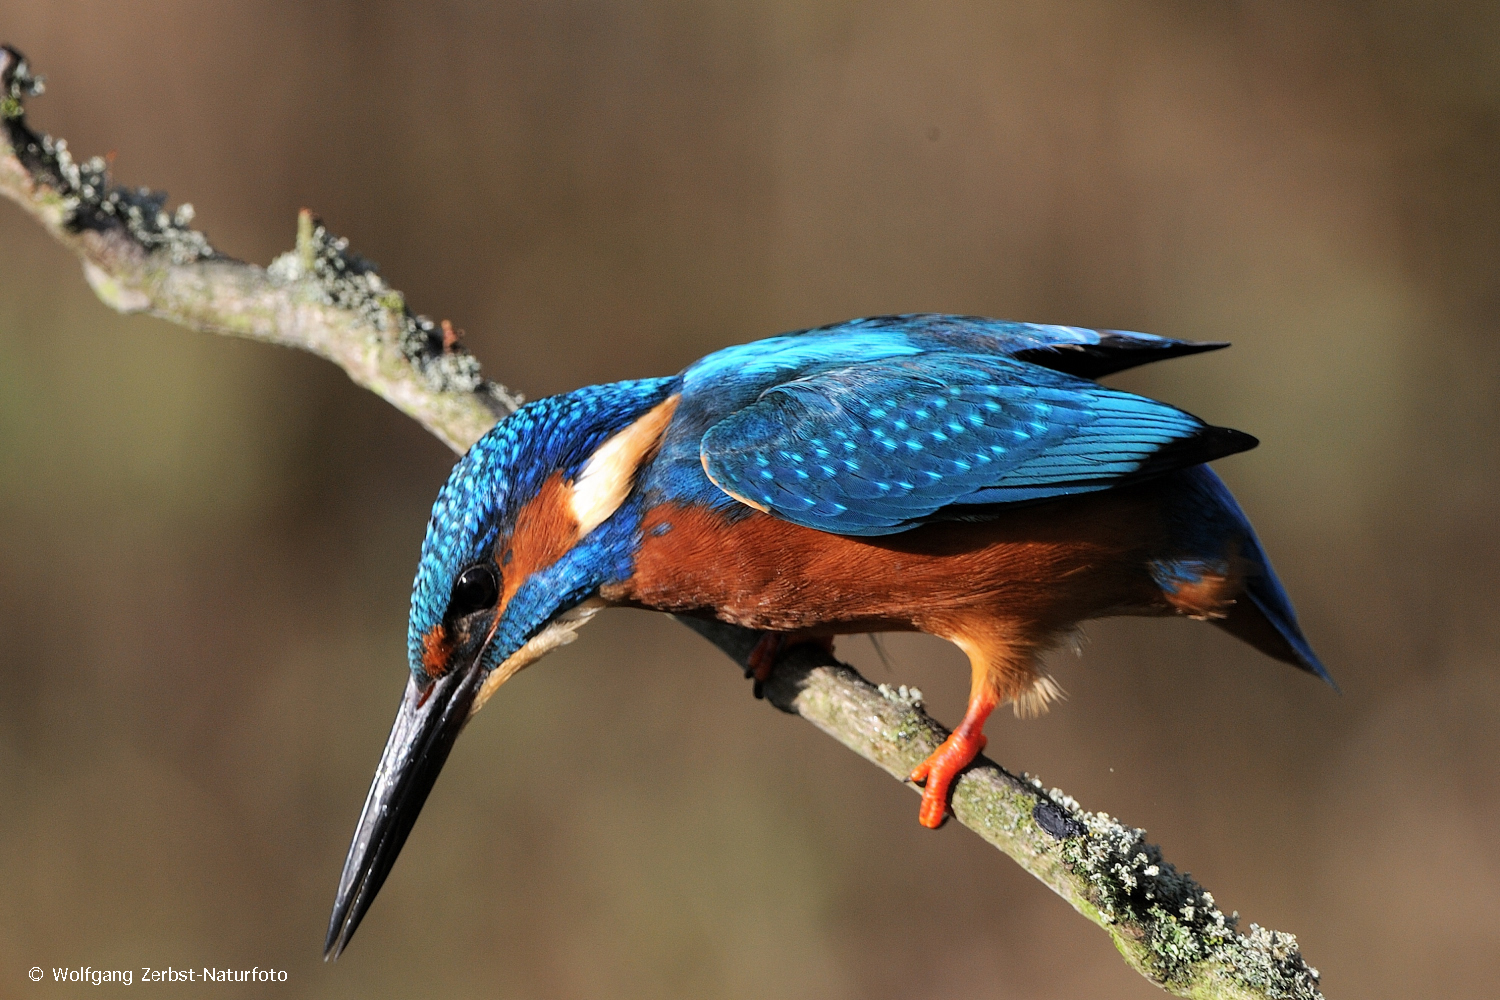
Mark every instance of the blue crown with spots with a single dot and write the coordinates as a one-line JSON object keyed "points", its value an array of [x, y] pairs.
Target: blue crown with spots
{"points": [[501, 472]]}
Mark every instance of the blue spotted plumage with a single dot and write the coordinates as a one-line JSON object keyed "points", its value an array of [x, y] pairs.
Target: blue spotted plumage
{"points": [[877, 447], [955, 475], [734, 378]]}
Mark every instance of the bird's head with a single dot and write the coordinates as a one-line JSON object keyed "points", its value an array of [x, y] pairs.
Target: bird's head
{"points": [[532, 521]]}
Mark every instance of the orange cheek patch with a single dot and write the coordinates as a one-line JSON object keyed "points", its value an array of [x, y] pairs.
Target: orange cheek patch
{"points": [[436, 650], [545, 530]]}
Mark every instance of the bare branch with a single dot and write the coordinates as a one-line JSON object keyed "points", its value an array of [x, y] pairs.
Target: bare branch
{"points": [[322, 298]]}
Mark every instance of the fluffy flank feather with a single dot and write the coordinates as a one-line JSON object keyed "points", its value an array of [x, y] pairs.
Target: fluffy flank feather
{"points": [[1035, 700]]}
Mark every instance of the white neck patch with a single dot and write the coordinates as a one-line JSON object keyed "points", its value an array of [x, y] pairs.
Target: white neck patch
{"points": [[609, 474]]}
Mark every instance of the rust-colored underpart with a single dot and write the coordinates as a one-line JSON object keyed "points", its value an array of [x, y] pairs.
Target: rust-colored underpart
{"points": [[1003, 590]]}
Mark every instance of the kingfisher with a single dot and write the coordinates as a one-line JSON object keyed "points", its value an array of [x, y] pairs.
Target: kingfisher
{"points": [[955, 475]]}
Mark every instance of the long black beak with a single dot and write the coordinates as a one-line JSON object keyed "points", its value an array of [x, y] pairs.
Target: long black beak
{"points": [[427, 724]]}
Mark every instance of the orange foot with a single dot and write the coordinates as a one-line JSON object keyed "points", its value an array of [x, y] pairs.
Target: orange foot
{"points": [[770, 648], [938, 771]]}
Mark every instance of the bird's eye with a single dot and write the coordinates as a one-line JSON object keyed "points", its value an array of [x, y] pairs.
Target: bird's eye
{"points": [[475, 590]]}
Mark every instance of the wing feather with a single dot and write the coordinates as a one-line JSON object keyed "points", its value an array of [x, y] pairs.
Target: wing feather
{"points": [[880, 446]]}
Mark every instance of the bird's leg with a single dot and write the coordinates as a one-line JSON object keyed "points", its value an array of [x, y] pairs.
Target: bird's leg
{"points": [[955, 754], [770, 648]]}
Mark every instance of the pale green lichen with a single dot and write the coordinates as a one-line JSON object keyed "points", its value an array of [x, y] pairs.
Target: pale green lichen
{"points": [[1182, 934], [348, 281], [903, 695], [16, 83], [84, 199], [1165, 925], [89, 201]]}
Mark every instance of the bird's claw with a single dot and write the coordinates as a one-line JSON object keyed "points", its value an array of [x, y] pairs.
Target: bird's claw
{"points": [[764, 656], [769, 650], [937, 772]]}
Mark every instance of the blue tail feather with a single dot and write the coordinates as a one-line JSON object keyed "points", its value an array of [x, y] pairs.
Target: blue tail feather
{"points": [[1209, 518], [1266, 593]]}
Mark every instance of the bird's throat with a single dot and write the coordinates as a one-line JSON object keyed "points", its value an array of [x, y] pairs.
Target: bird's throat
{"points": [[559, 632]]}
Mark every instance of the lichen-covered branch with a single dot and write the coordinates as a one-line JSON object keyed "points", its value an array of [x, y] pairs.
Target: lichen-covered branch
{"points": [[318, 296], [325, 299], [1166, 925]]}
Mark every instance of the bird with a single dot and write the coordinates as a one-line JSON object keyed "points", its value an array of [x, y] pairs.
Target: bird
{"points": [[955, 475]]}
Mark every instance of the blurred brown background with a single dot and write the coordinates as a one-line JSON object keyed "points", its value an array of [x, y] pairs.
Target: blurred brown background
{"points": [[206, 545]]}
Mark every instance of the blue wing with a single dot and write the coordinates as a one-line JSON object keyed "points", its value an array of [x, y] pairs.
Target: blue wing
{"points": [[878, 446], [1073, 350]]}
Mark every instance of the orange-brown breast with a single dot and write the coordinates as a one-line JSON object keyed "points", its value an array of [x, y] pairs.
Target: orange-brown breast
{"points": [[1018, 580]]}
